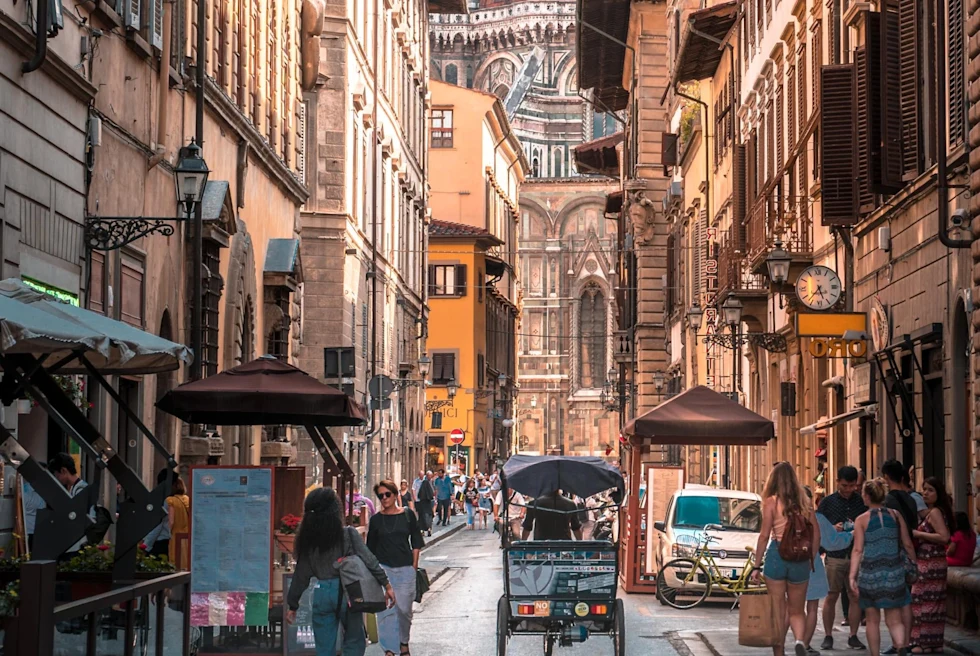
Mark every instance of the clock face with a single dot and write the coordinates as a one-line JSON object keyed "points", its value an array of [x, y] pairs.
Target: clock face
{"points": [[819, 288]]}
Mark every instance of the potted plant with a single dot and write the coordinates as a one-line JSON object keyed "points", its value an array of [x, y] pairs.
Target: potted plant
{"points": [[286, 533]]}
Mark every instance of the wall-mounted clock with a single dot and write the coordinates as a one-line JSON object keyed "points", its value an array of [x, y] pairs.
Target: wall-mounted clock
{"points": [[819, 288]]}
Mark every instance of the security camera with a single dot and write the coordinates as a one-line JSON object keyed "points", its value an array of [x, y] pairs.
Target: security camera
{"points": [[959, 218]]}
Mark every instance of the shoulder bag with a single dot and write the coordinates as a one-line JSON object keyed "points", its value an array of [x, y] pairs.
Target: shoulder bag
{"points": [[364, 593]]}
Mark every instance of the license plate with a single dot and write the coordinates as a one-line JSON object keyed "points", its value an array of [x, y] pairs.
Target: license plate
{"points": [[542, 608]]}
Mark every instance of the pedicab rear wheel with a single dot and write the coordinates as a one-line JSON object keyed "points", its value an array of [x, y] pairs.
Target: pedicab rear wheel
{"points": [[619, 637], [503, 621]]}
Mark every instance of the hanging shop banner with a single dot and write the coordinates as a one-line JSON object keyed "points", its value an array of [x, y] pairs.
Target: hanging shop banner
{"points": [[231, 545], [829, 324]]}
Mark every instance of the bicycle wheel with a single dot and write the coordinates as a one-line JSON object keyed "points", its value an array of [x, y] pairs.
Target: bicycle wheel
{"points": [[683, 583]]}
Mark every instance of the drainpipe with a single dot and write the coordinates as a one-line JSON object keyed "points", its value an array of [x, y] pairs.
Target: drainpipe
{"points": [[375, 425], [942, 183], [40, 40], [707, 150], [161, 149]]}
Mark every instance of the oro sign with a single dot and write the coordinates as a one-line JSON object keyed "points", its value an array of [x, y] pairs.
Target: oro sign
{"points": [[456, 436]]}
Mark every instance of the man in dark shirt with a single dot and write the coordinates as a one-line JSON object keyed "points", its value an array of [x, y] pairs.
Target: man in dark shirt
{"points": [[899, 499], [844, 505], [549, 525]]}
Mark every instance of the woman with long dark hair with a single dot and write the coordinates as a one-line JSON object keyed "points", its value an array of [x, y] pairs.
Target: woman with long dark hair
{"points": [[396, 539], [319, 544], [929, 591]]}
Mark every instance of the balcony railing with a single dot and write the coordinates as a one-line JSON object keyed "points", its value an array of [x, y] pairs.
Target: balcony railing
{"points": [[734, 276], [769, 219]]}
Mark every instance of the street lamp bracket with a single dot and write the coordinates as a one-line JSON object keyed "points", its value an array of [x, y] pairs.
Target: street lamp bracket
{"points": [[772, 342]]}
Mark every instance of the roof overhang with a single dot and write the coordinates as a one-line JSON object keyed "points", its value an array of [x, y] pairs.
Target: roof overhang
{"points": [[602, 57], [701, 44], [599, 155], [448, 7], [842, 418]]}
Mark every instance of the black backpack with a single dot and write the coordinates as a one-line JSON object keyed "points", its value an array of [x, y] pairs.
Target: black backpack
{"points": [[903, 502], [95, 533]]}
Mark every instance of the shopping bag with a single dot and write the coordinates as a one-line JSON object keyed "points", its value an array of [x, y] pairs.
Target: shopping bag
{"points": [[757, 625]]}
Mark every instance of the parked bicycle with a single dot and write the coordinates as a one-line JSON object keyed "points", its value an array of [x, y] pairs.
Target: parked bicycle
{"points": [[687, 582]]}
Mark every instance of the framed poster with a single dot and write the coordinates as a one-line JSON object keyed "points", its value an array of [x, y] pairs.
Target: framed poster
{"points": [[231, 545]]}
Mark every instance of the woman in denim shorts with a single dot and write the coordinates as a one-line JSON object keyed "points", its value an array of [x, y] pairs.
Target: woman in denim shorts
{"points": [[786, 581]]}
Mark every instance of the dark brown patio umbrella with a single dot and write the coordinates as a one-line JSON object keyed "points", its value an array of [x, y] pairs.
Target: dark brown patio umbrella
{"points": [[265, 391], [700, 416]]}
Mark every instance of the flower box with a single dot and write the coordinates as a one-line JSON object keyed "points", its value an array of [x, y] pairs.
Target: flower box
{"points": [[286, 541]]}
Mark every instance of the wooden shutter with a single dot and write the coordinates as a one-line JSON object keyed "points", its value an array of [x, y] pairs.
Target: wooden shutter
{"points": [[887, 177], [801, 85], [779, 123], [956, 65], [739, 193], [460, 280], [131, 15], [154, 23], [669, 293], [770, 142], [790, 112], [908, 38], [697, 235], [751, 171], [750, 28], [816, 52], [432, 279], [838, 161], [668, 152], [864, 126], [96, 287], [301, 108]]}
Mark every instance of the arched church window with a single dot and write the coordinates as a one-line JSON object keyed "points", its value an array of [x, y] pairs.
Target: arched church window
{"points": [[469, 77], [558, 165], [535, 168], [452, 74], [592, 337]]}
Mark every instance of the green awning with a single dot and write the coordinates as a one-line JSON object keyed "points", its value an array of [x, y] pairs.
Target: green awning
{"points": [[36, 323]]}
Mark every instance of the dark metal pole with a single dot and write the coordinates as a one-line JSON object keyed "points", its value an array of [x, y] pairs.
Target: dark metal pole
{"points": [[198, 244]]}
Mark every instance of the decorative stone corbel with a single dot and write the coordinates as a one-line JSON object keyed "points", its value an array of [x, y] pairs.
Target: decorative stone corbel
{"points": [[642, 213], [311, 27]]}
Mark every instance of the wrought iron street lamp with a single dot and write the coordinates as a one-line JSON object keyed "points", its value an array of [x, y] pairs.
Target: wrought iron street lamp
{"points": [[695, 315], [778, 262], [452, 388], [107, 233], [659, 379], [424, 364], [191, 177], [732, 309]]}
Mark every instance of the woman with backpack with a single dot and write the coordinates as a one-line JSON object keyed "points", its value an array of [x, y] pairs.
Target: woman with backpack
{"points": [[878, 567], [793, 536], [319, 544]]}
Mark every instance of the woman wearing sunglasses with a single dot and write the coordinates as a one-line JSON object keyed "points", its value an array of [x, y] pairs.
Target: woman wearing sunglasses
{"points": [[395, 539]]}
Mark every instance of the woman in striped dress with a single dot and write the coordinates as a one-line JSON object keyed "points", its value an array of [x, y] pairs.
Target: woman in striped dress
{"points": [[929, 592], [877, 572]]}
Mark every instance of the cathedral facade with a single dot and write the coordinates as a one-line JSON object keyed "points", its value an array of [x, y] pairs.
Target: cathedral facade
{"points": [[524, 53]]}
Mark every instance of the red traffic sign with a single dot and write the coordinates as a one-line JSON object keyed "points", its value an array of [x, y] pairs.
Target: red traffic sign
{"points": [[456, 436]]}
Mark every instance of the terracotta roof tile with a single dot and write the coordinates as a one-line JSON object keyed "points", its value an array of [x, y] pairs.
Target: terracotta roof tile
{"points": [[439, 228]]}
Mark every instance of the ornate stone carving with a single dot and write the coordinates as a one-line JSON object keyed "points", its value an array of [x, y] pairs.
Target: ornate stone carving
{"points": [[642, 215], [311, 27]]}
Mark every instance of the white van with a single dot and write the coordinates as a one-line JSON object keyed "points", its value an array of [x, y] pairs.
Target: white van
{"points": [[691, 508]]}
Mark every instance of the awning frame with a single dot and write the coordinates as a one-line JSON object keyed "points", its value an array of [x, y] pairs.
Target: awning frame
{"points": [[870, 410]]}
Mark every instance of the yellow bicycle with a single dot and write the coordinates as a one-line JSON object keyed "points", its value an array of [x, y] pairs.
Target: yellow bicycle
{"points": [[686, 582]]}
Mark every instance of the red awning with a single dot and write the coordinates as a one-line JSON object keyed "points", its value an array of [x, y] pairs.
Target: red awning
{"points": [[700, 416]]}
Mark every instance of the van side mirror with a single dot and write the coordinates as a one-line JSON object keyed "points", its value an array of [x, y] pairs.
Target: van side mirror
{"points": [[660, 526]]}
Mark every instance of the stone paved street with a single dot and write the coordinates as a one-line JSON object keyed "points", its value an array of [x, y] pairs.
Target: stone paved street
{"points": [[459, 614]]}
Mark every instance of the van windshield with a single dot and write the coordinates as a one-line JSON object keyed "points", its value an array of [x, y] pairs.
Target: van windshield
{"points": [[731, 513]]}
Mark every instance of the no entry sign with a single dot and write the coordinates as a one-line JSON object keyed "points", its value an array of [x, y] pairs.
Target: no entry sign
{"points": [[456, 436]]}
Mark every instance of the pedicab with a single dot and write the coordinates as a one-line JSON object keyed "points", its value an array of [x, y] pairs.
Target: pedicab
{"points": [[561, 590]]}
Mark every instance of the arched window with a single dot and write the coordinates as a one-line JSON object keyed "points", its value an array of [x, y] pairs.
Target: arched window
{"points": [[535, 168], [469, 77], [592, 337], [452, 74], [558, 163]]}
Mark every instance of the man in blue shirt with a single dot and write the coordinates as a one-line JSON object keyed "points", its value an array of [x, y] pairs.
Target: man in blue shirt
{"points": [[444, 496]]}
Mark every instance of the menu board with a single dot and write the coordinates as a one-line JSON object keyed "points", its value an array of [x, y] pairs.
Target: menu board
{"points": [[298, 639], [231, 534], [662, 482]]}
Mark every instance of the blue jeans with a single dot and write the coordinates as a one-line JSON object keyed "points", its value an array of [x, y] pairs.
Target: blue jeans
{"points": [[470, 509], [327, 619]]}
